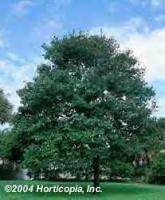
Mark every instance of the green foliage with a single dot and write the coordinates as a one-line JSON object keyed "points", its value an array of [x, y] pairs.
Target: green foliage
{"points": [[8, 172], [157, 171], [5, 144], [7, 168], [161, 131], [121, 169], [10, 145], [90, 101], [5, 108]]}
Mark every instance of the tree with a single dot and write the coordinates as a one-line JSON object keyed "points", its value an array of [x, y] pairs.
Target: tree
{"points": [[87, 107], [5, 108], [5, 116], [6, 139], [161, 130]]}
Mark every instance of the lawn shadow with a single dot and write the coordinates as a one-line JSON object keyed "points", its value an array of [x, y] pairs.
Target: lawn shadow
{"points": [[125, 188]]}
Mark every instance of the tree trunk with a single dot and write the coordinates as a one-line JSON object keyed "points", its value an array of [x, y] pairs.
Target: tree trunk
{"points": [[147, 157], [36, 175], [78, 177], [96, 173]]}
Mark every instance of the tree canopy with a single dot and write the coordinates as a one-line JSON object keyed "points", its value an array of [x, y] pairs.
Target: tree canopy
{"points": [[87, 107]]}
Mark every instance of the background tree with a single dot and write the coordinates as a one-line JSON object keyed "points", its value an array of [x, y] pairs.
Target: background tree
{"points": [[157, 170], [161, 130], [5, 108], [5, 116], [6, 139], [84, 110]]}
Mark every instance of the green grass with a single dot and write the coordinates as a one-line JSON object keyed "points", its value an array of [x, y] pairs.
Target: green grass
{"points": [[111, 191]]}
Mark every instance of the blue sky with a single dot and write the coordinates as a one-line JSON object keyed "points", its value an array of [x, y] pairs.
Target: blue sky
{"points": [[26, 24]]}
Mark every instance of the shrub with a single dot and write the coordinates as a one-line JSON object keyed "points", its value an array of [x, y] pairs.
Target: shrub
{"points": [[121, 169], [157, 170]]}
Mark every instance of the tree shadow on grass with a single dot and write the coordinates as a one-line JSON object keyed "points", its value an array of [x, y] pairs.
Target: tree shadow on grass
{"points": [[126, 189]]}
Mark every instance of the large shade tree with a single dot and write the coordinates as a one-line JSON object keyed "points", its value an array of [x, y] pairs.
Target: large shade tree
{"points": [[86, 108]]}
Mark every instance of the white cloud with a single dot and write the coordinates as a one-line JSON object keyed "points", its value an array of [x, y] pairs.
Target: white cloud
{"points": [[160, 18], [1, 40], [136, 2], [13, 77], [157, 3], [21, 7], [153, 3], [45, 33], [61, 3], [161, 108], [147, 45], [14, 57], [149, 49]]}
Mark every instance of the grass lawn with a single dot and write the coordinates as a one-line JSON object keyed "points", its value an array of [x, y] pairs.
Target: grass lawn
{"points": [[111, 191]]}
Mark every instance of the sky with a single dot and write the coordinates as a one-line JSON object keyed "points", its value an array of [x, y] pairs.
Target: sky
{"points": [[25, 25]]}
